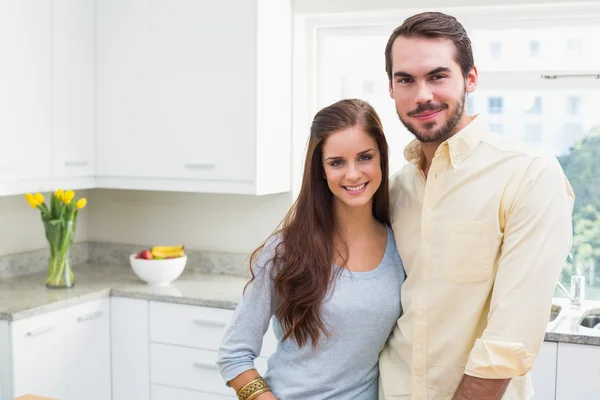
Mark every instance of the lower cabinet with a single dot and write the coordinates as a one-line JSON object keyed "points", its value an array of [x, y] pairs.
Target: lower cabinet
{"points": [[63, 354], [169, 351], [578, 372], [543, 374]]}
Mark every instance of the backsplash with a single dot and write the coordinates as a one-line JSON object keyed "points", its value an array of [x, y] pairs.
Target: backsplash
{"points": [[214, 262]]}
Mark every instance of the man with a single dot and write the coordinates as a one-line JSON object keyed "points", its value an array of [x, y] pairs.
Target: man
{"points": [[483, 226]]}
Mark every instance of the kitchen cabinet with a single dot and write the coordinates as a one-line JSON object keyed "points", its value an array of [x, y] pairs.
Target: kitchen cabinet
{"points": [[62, 354], [165, 350], [543, 375], [578, 372], [47, 129], [25, 93], [194, 96], [130, 349], [73, 89]]}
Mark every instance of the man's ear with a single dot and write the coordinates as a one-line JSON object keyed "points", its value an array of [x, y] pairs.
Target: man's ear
{"points": [[471, 80]]}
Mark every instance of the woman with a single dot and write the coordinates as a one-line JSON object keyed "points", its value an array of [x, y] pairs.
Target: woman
{"points": [[330, 276]]}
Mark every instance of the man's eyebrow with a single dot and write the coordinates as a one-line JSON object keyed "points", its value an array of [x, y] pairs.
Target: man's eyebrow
{"points": [[402, 74]]}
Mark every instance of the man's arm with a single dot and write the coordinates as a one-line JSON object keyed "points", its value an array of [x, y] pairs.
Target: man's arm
{"points": [[471, 388], [537, 239]]}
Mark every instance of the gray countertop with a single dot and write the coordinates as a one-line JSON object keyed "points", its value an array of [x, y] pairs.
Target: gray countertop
{"points": [[25, 296]]}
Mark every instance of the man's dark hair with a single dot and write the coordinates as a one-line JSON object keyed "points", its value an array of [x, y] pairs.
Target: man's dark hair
{"points": [[433, 25]]}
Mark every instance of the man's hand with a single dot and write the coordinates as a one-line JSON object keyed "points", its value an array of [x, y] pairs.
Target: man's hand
{"points": [[471, 388]]}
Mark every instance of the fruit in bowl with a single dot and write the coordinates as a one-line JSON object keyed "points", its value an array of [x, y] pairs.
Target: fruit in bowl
{"points": [[160, 265]]}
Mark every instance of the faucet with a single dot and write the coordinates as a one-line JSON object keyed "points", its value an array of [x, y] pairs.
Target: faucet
{"points": [[577, 293]]}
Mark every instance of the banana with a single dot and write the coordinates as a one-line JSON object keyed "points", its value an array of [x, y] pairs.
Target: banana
{"points": [[168, 251]]}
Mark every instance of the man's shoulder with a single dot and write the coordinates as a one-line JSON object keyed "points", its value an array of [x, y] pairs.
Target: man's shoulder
{"points": [[514, 147], [401, 177]]}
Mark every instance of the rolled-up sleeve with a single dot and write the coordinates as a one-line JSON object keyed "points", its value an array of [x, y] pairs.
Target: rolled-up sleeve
{"points": [[242, 342], [537, 240]]}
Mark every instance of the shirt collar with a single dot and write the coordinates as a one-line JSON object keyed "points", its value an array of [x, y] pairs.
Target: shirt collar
{"points": [[459, 146]]}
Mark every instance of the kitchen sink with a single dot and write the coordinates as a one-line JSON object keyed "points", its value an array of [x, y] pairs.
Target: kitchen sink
{"points": [[591, 319], [554, 311]]}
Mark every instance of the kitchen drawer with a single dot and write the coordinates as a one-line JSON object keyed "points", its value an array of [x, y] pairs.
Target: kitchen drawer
{"points": [[188, 368], [185, 325], [195, 326], [168, 393]]}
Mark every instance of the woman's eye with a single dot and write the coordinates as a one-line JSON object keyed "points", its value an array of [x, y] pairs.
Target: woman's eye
{"points": [[335, 163], [366, 157]]}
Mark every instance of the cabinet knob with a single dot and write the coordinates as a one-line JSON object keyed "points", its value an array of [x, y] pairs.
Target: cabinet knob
{"points": [[40, 331], [205, 365], [89, 316], [208, 322], [80, 163], [200, 165]]}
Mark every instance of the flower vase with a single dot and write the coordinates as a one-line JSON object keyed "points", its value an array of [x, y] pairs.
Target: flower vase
{"points": [[60, 238]]}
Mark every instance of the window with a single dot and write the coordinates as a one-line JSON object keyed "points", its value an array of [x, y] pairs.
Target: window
{"points": [[497, 128], [573, 103], [557, 115], [496, 49], [495, 105], [536, 107], [534, 48], [533, 134]]}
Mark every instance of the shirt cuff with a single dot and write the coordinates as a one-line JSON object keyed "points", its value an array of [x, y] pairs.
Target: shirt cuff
{"points": [[491, 359]]}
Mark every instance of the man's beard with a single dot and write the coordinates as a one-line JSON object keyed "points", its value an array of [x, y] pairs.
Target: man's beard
{"points": [[428, 135]]}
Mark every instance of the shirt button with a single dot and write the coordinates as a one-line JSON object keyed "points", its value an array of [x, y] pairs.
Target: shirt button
{"points": [[419, 348]]}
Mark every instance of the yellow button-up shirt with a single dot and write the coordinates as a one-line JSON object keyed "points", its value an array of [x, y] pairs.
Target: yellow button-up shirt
{"points": [[483, 239]]}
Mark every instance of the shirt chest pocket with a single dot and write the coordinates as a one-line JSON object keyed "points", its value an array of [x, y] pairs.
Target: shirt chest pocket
{"points": [[467, 255]]}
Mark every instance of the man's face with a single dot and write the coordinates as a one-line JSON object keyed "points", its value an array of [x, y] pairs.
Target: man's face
{"points": [[428, 88]]}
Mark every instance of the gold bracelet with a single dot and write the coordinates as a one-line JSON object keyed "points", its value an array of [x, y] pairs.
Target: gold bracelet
{"points": [[258, 393], [250, 390]]}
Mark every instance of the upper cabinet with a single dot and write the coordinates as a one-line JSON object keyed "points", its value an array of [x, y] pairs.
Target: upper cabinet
{"points": [[47, 127], [194, 96], [171, 95], [74, 88], [26, 151]]}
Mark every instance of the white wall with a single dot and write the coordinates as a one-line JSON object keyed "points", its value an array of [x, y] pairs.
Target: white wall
{"points": [[198, 221], [340, 6], [21, 227]]}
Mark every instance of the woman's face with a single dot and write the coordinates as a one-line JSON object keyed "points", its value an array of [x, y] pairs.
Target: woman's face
{"points": [[352, 166]]}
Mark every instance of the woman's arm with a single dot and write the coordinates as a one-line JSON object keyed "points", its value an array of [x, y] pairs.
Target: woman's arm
{"points": [[242, 342]]}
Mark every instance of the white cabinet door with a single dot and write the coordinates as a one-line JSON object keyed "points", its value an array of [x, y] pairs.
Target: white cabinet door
{"points": [[124, 124], [88, 342], [25, 90], [543, 374], [130, 349], [578, 372], [169, 393], [40, 355], [203, 67], [5, 361], [73, 88]]}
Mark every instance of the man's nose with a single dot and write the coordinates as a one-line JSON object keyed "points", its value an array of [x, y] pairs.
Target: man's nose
{"points": [[424, 94]]}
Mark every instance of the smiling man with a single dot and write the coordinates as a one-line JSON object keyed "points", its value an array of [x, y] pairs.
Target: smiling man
{"points": [[483, 226]]}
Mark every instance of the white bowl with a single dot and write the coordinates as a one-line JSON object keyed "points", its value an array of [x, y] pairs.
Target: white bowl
{"points": [[158, 272]]}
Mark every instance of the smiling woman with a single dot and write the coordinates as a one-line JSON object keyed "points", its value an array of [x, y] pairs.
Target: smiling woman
{"points": [[330, 276]]}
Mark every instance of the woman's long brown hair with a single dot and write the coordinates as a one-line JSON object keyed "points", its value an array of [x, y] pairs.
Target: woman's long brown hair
{"points": [[302, 265]]}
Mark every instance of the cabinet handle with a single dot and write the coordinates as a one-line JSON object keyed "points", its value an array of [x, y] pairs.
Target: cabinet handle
{"points": [[89, 316], [40, 331], [208, 322], [205, 365], [200, 165], [76, 163]]}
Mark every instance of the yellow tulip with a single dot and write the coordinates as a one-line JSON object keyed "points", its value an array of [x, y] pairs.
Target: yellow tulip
{"points": [[59, 193], [31, 200], [81, 203], [68, 196], [39, 198]]}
